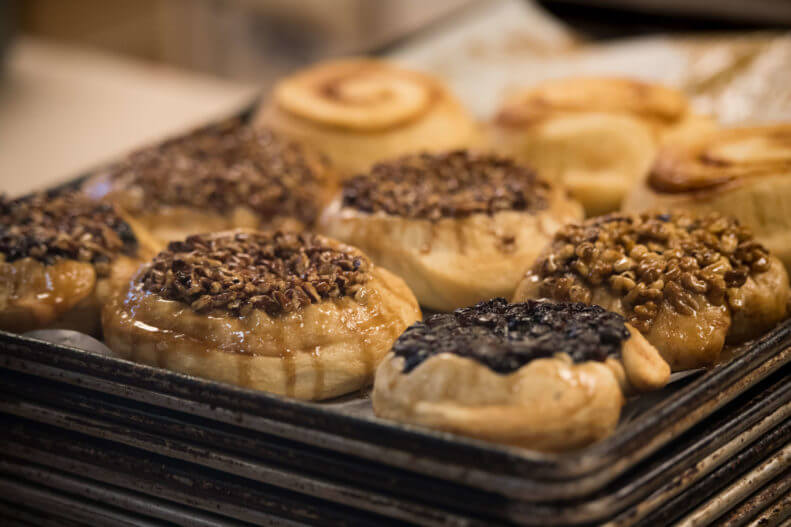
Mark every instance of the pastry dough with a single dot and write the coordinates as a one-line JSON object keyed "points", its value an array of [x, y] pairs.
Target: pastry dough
{"points": [[60, 259], [742, 172], [689, 283], [457, 227], [597, 135], [220, 177], [360, 111], [538, 375], [293, 314]]}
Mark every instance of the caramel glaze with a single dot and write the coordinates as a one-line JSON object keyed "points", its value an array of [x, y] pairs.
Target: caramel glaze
{"points": [[321, 351]]}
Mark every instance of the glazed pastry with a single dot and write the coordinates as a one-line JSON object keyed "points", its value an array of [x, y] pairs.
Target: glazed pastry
{"points": [[690, 284], [359, 111], [61, 256], [742, 172], [539, 375], [293, 314], [216, 178], [458, 227], [597, 135]]}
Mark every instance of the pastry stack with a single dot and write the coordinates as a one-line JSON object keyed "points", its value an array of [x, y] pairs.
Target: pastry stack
{"points": [[293, 253]]}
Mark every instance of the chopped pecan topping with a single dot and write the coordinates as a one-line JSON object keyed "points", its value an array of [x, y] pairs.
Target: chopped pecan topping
{"points": [[649, 259], [506, 336], [225, 166], [453, 184], [238, 272], [69, 225]]}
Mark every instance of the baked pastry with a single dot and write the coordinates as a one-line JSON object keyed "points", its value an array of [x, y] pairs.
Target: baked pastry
{"points": [[596, 135], [690, 284], [293, 314], [60, 258], [359, 111], [742, 172], [220, 177], [457, 227], [538, 375]]}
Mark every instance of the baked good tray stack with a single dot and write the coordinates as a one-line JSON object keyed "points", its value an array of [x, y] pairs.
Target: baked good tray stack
{"points": [[100, 440]]}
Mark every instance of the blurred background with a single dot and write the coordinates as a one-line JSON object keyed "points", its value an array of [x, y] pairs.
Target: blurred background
{"points": [[85, 80]]}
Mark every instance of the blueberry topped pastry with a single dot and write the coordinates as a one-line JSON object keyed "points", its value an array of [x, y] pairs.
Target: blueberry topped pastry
{"points": [[290, 313], [60, 258], [542, 375], [689, 283]]}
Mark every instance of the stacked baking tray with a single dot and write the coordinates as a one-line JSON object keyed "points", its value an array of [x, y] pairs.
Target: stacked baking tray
{"points": [[100, 440]]}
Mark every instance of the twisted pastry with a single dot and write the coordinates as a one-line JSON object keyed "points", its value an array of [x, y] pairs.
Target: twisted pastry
{"points": [[359, 111], [597, 135], [742, 172]]}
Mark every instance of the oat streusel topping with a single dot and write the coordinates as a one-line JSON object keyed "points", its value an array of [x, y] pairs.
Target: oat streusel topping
{"points": [[224, 166], [237, 272], [453, 184], [506, 336], [68, 225], [651, 259]]}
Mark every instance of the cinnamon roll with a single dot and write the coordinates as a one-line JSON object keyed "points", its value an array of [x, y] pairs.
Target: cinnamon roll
{"points": [[538, 375], [359, 111], [293, 314], [61, 257], [742, 172], [690, 284], [220, 177], [458, 227], [596, 135]]}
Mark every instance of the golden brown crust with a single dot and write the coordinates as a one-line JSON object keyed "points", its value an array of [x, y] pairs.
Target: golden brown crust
{"points": [[318, 351], [359, 111], [453, 262], [597, 135], [742, 172], [220, 177], [688, 283]]}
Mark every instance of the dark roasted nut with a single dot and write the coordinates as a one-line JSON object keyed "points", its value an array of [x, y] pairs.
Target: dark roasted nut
{"points": [[225, 166], [238, 272], [654, 258], [454, 184], [68, 225], [506, 336]]}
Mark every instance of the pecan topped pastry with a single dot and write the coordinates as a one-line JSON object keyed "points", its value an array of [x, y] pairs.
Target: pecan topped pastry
{"points": [[546, 376], [219, 177], [458, 227], [742, 172], [60, 256], [291, 313], [597, 135], [359, 111], [688, 283]]}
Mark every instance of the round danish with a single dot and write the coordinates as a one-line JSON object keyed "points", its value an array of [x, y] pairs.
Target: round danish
{"points": [[359, 111], [294, 314], [458, 227], [596, 135], [220, 177], [539, 375], [742, 172], [61, 256], [690, 284]]}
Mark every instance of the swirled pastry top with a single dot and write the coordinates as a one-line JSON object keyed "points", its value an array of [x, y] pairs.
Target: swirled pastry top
{"points": [[453, 184], [358, 94], [236, 272], [610, 95], [650, 257], [505, 337], [723, 158], [49, 228], [224, 166]]}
